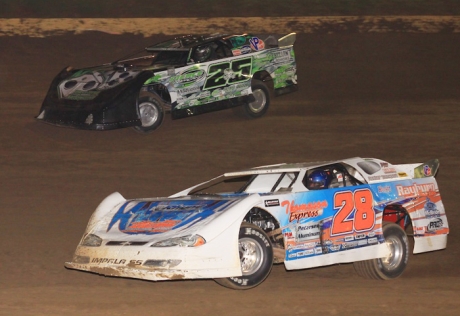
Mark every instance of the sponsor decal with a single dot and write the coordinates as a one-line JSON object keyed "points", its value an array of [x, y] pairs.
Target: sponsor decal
{"points": [[383, 177], [349, 238], [435, 225], [236, 52], [402, 174], [318, 250], [305, 253], [371, 234], [241, 51], [349, 244], [362, 242], [257, 44], [307, 232], [269, 203], [372, 240], [415, 189], [245, 49], [430, 209], [334, 248], [188, 90], [188, 76], [304, 210], [384, 189], [360, 236], [281, 56], [389, 170], [426, 170]]}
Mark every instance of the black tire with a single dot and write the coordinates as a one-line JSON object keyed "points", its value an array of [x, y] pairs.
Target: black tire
{"points": [[259, 107], [151, 114], [256, 256], [392, 266]]}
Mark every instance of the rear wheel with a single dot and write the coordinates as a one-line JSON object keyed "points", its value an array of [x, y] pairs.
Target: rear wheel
{"points": [[151, 114], [256, 258], [393, 265], [260, 105]]}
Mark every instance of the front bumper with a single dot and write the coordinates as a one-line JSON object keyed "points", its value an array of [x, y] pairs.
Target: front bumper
{"points": [[216, 259], [97, 110]]}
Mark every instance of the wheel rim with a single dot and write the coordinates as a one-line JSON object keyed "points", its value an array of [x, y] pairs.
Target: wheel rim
{"points": [[260, 101], [396, 247], [149, 114], [251, 255]]}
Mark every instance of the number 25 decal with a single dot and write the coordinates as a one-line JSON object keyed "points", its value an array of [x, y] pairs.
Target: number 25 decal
{"points": [[345, 203], [228, 72]]}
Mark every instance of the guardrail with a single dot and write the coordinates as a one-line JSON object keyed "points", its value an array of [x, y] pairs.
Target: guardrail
{"points": [[169, 26]]}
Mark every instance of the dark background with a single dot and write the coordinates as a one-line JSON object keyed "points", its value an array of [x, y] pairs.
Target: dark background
{"points": [[221, 8]]}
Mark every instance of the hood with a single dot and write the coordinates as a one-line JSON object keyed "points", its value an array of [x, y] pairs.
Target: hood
{"points": [[88, 83], [154, 219]]}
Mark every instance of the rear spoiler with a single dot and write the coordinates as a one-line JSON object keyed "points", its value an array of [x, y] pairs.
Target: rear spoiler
{"points": [[287, 40]]}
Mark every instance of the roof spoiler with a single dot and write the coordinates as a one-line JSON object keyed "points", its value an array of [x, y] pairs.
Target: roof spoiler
{"points": [[427, 169], [287, 40]]}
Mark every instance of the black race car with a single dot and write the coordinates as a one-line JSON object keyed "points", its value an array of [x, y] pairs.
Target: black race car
{"points": [[184, 76]]}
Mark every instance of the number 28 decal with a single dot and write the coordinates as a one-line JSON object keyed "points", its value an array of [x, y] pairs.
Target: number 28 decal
{"points": [[345, 202]]}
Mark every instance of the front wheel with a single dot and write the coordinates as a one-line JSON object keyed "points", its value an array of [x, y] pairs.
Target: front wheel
{"points": [[151, 114], [260, 105], [256, 258], [393, 265]]}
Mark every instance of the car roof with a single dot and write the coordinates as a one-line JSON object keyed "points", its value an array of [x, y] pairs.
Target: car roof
{"points": [[290, 167], [186, 42]]}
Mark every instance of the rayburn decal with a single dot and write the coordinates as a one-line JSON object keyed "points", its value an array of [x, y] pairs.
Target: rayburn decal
{"points": [[416, 189]]}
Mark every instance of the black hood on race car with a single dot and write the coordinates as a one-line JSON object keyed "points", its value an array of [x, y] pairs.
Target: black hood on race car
{"points": [[98, 98]]}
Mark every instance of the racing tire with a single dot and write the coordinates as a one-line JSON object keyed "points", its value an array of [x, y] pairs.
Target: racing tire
{"points": [[260, 105], [151, 114], [256, 258], [393, 265]]}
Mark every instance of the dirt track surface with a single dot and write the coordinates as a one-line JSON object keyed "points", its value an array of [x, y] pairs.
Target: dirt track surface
{"points": [[390, 96]]}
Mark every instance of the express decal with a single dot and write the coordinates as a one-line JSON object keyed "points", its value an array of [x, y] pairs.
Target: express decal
{"points": [[305, 210], [158, 217]]}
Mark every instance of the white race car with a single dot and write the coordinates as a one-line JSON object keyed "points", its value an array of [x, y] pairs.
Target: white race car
{"points": [[233, 228]]}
